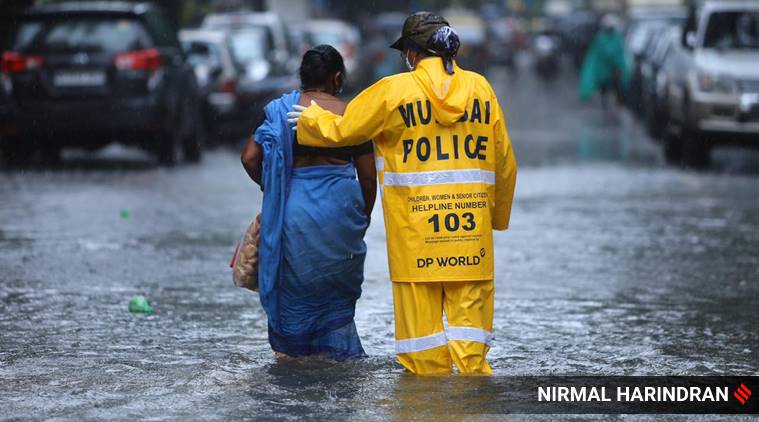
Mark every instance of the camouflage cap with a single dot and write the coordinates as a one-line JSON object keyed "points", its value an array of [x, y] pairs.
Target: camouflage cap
{"points": [[419, 28]]}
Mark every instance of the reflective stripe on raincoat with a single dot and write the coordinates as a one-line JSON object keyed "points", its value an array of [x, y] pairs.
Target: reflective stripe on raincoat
{"points": [[446, 167]]}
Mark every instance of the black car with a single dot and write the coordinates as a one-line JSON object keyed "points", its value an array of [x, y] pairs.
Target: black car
{"points": [[91, 73]]}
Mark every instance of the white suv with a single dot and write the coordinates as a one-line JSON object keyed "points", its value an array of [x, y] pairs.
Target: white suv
{"points": [[717, 100]]}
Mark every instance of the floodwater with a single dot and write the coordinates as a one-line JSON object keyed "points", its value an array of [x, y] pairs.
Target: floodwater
{"points": [[614, 265]]}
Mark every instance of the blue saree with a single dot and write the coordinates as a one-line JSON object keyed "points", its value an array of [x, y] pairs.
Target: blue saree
{"points": [[311, 256]]}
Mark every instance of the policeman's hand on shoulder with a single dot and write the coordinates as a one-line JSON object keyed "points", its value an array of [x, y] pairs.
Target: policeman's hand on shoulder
{"points": [[293, 116]]}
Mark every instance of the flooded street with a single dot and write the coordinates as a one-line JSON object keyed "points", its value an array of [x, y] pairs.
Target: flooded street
{"points": [[615, 264]]}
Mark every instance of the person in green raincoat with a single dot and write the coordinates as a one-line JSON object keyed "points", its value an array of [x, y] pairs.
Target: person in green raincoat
{"points": [[605, 67]]}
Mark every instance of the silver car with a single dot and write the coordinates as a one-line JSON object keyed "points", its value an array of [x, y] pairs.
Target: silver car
{"points": [[715, 100]]}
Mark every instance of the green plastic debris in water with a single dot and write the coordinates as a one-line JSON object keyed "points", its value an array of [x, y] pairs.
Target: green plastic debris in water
{"points": [[124, 213], [140, 305]]}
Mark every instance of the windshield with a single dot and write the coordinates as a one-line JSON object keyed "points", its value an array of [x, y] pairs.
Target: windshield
{"points": [[92, 34], [248, 46], [733, 30]]}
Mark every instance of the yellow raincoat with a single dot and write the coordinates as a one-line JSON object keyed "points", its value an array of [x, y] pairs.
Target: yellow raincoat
{"points": [[446, 167]]}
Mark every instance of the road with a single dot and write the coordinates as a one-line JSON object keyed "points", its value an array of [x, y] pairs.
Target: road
{"points": [[614, 264]]}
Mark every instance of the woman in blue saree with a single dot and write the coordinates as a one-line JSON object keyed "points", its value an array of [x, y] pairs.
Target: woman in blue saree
{"points": [[316, 208]]}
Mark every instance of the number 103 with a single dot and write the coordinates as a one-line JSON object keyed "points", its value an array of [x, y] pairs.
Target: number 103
{"points": [[452, 222]]}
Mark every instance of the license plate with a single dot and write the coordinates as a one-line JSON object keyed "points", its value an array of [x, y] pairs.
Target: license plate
{"points": [[80, 78]]}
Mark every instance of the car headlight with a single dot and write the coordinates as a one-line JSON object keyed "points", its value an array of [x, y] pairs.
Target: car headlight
{"points": [[709, 82], [258, 70]]}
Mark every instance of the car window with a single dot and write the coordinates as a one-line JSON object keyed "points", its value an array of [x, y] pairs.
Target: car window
{"points": [[249, 45], [94, 34], [202, 53], [732, 30]]}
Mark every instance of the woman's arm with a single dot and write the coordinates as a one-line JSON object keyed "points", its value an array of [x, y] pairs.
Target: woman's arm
{"points": [[367, 178], [252, 158]]}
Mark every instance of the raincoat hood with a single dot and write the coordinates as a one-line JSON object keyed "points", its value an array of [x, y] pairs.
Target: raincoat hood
{"points": [[447, 93]]}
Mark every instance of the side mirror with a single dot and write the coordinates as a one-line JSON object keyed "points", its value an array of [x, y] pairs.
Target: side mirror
{"points": [[690, 40]]}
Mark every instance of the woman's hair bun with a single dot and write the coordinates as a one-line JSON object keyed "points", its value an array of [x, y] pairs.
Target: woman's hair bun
{"points": [[319, 64]]}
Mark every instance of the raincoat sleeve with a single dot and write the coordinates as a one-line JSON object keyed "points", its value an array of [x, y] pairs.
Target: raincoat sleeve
{"points": [[364, 118], [505, 172]]}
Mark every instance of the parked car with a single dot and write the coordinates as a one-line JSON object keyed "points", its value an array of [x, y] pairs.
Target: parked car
{"points": [[343, 36], [653, 80], [640, 42], [87, 74], [261, 46], [279, 51], [716, 101], [677, 63], [643, 24], [218, 75], [262, 79]]}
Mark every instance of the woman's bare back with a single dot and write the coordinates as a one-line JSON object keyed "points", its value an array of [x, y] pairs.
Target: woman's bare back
{"points": [[327, 102]]}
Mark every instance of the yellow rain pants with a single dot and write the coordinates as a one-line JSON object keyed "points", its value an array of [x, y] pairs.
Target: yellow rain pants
{"points": [[422, 344]]}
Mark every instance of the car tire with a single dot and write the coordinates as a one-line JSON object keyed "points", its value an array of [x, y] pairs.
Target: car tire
{"points": [[166, 150], [656, 122], [50, 155], [192, 144], [17, 151], [673, 148], [649, 118], [696, 151]]}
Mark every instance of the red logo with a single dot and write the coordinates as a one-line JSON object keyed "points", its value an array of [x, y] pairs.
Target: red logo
{"points": [[742, 394]]}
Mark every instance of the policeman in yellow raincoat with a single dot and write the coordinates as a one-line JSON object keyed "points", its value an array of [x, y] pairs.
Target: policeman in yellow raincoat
{"points": [[447, 172]]}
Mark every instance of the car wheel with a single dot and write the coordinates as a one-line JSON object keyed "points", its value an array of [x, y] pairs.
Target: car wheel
{"points": [[192, 145], [656, 121], [696, 151], [649, 117], [50, 155], [673, 148], [166, 150], [17, 151]]}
